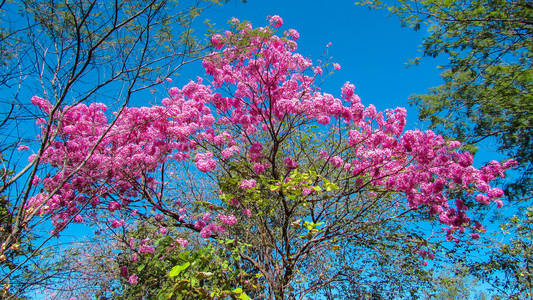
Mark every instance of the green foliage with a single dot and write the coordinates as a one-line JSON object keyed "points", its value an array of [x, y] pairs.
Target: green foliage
{"points": [[201, 270], [487, 90]]}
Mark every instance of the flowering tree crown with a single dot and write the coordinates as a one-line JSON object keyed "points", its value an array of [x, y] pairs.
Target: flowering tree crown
{"points": [[261, 95]]}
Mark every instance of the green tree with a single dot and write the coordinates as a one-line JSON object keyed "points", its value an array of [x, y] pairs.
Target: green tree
{"points": [[488, 80]]}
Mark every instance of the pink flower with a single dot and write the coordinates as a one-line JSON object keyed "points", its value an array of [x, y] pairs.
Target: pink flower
{"points": [[124, 271], [228, 152], [199, 224], [228, 220], [146, 249], [247, 212], [113, 206], [248, 184], [205, 162], [294, 34], [207, 231], [259, 168], [308, 191], [510, 163], [117, 224], [217, 41], [36, 180], [163, 230], [290, 163], [78, 219], [495, 193], [133, 279], [43, 104], [482, 199], [134, 257], [276, 21], [337, 161], [336, 66], [22, 148], [324, 155], [183, 243]]}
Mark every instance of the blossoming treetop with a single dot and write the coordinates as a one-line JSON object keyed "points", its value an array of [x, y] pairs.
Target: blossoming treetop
{"points": [[295, 172]]}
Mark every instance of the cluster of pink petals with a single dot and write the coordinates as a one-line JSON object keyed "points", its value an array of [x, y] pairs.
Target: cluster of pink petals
{"points": [[228, 220], [133, 279], [205, 162], [183, 243], [276, 21], [217, 41], [247, 184], [211, 229], [290, 164], [295, 35]]}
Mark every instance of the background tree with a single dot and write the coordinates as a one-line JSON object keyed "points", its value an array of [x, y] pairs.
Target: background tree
{"points": [[486, 93], [71, 52]]}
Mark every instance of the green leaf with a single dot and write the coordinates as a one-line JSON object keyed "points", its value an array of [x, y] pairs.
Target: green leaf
{"points": [[141, 267], [176, 270]]}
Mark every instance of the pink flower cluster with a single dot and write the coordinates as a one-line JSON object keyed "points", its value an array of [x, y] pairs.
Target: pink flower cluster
{"points": [[247, 184], [276, 21], [205, 162], [217, 41]]}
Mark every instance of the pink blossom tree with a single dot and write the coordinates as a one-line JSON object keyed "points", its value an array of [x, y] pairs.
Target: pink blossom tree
{"points": [[311, 183]]}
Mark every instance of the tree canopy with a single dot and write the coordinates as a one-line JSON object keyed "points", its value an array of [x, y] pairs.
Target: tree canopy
{"points": [[249, 181], [304, 185], [486, 94]]}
